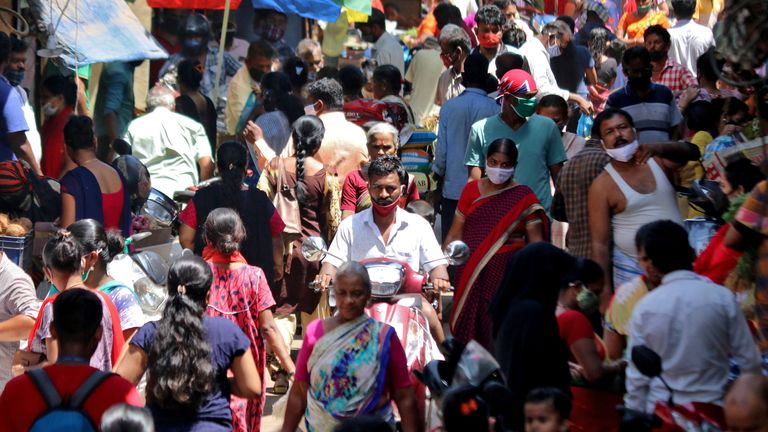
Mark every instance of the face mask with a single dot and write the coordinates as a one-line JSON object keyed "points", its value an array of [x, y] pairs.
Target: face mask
{"points": [[14, 77], [554, 51], [256, 74], [489, 40], [623, 153], [86, 274], [384, 210], [657, 55], [192, 47], [499, 176], [310, 109], [368, 37], [49, 110], [642, 10], [311, 76], [272, 32], [640, 83], [447, 60], [588, 301], [526, 107]]}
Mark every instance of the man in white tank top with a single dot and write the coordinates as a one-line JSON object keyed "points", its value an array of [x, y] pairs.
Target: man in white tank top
{"points": [[636, 188]]}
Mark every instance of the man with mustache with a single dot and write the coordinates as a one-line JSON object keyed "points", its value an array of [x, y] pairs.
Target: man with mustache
{"points": [[636, 188], [666, 71]]}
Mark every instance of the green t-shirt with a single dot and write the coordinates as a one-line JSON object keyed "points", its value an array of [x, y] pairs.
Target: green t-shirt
{"points": [[539, 147]]}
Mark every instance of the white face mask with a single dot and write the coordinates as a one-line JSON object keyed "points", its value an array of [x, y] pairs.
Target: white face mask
{"points": [[310, 109], [554, 51], [49, 110], [499, 175], [624, 153]]}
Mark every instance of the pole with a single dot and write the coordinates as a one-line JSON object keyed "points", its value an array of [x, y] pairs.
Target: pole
{"points": [[220, 56]]}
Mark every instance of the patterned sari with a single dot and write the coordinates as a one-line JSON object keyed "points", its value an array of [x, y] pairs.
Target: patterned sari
{"points": [[494, 229], [348, 369]]}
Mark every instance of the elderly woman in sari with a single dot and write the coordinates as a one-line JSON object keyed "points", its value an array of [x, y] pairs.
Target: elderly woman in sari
{"points": [[350, 365], [496, 217]]}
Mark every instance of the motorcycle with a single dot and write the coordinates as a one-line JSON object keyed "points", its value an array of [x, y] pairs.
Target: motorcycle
{"points": [[667, 415], [706, 197], [396, 296]]}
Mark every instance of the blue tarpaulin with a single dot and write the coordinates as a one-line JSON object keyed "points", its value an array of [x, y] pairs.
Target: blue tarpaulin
{"points": [[325, 10], [97, 31]]}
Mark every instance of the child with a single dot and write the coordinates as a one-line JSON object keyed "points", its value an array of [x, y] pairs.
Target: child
{"points": [[547, 410]]}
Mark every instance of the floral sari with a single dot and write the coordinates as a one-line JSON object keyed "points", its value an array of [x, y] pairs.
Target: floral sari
{"points": [[348, 369], [494, 229]]}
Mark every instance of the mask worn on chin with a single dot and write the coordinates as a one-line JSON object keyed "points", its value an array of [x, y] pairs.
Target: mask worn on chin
{"points": [[256, 74], [657, 55], [554, 51], [272, 33], [499, 176], [384, 210], [49, 110], [588, 301], [14, 77], [489, 40], [526, 107], [192, 48], [624, 153]]}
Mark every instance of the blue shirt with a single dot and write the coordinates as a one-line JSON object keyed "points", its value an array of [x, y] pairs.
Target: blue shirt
{"points": [[582, 36], [12, 119], [456, 119], [539, 146], [654, 114], [115, 96]]}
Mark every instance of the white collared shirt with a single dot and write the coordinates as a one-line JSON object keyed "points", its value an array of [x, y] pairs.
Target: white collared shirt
{"points": [[693, 324], [411, 239], [689, 40], [538, 61]]}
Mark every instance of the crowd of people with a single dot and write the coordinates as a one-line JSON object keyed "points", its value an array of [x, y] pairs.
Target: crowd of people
{"points": [[578, 145]]}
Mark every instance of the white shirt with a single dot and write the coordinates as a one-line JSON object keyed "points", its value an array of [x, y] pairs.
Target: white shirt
{"points": [[466, 7], [538, 60], [170, 145], [693, 324], [689, 41], [389, 51], [411, 239], [424, 67]]}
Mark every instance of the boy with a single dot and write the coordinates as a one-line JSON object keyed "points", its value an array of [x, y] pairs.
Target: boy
{"points": [[547, 410]]}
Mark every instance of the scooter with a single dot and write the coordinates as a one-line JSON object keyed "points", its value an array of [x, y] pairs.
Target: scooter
{"points": [[396, 297], [706, 197], [667, 415]]}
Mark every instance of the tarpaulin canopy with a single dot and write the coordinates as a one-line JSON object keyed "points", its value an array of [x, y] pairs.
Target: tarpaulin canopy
{"points": [[192, 4], [96, 31], [325, 10]]}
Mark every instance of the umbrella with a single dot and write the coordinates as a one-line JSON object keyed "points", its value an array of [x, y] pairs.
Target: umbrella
{"points": [[192, 4], [597, 7], [324, 10]]}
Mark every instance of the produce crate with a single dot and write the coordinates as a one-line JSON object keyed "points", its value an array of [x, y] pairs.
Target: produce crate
{"points": [[14, 247]]}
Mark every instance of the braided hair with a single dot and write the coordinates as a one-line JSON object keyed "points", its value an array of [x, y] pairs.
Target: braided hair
{"points": [[308, 132], [231, 161]]}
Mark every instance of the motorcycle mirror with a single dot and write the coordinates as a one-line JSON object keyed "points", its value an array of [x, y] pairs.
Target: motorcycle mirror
{"points": [[646, 361], [457, 252], [313, 248]]}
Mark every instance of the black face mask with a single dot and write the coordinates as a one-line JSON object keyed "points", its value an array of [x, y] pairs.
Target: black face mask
{"points": [[657, 55], [642, 83], [192, 48], [256, 74]]}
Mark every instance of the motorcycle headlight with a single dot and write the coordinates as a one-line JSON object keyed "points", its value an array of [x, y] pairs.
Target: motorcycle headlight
{"points": [[386, 278]]}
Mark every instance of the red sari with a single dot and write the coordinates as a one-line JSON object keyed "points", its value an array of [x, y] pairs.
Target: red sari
{"points": [[494, 229]]}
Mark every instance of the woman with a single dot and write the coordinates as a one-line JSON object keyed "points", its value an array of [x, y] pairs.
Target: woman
{"points": [[93, 190], [187, 355], [594, 398], [496, 217], [263, 245], [99, 248], [636, 20], [281, 109], [58, 97], [387, 84], [734, 114], [527, 341], [240, 293], [350, 365], [63, 259], [383, 139], [193, 103], [316, 195]]}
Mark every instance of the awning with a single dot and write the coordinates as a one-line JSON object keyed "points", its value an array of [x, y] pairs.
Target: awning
{"points": [[192, 4], [96, 31], [324, 10]]}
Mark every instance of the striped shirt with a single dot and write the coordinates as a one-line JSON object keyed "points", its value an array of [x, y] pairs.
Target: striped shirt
{"points": [[654, 114]]}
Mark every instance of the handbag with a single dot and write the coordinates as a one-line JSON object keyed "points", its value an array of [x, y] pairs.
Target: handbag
{"points": [[285, 202]]}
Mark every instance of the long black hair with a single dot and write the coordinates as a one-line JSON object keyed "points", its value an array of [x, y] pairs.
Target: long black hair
{"points": [[308, 132], [94, 238], [231, 160], [276, 89], [181, 373]]}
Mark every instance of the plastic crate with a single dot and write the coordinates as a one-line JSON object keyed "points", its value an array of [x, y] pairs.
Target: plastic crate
{"points": [[13, 247]]}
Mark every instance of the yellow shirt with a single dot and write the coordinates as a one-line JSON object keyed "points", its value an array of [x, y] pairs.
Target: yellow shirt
{"points": [[634, 27]]}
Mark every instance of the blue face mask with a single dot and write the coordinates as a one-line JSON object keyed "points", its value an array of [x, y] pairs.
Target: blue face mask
{"points": [[14, 77]]}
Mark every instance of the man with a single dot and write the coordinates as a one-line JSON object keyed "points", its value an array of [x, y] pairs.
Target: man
{"points": [[454, 49], [631, 192], [13, 128], [244, 88], [746, 403], [114, 106], [666, 71], [386, 230], [309, 50], [172, 146], [425, 65], [77, 329], [537, 51], [18, 309], [689, 39], [387, 48], [14, 73], [693, 324], [343, 148], [456, 119], [269, 25], [651, 106], [490, 26], [573, 67], [540, 147]]}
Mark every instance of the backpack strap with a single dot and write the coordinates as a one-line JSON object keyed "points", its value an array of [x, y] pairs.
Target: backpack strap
{"points": [[86, 388], [45, 386]]}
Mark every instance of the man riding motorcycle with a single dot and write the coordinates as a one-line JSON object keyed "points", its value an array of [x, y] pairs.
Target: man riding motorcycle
{"points": [[386, 230]]}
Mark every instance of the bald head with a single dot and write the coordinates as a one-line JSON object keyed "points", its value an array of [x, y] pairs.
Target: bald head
{"points": [[746, 404]]}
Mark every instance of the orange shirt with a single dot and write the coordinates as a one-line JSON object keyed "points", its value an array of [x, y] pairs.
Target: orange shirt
{"points": [[634, 27]]}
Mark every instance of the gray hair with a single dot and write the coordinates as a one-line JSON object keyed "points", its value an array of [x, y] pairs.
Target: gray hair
{"points": [[557, 27], [381, 128], [455, 36], [160, 96], [353, 269], [306, 46]]}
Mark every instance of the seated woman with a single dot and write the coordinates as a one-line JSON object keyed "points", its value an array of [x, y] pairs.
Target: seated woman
{"points": [[188, 355], [496, 217], [383, 139], [350, 365], [58, 97], [93, 190], [387, 84]]}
